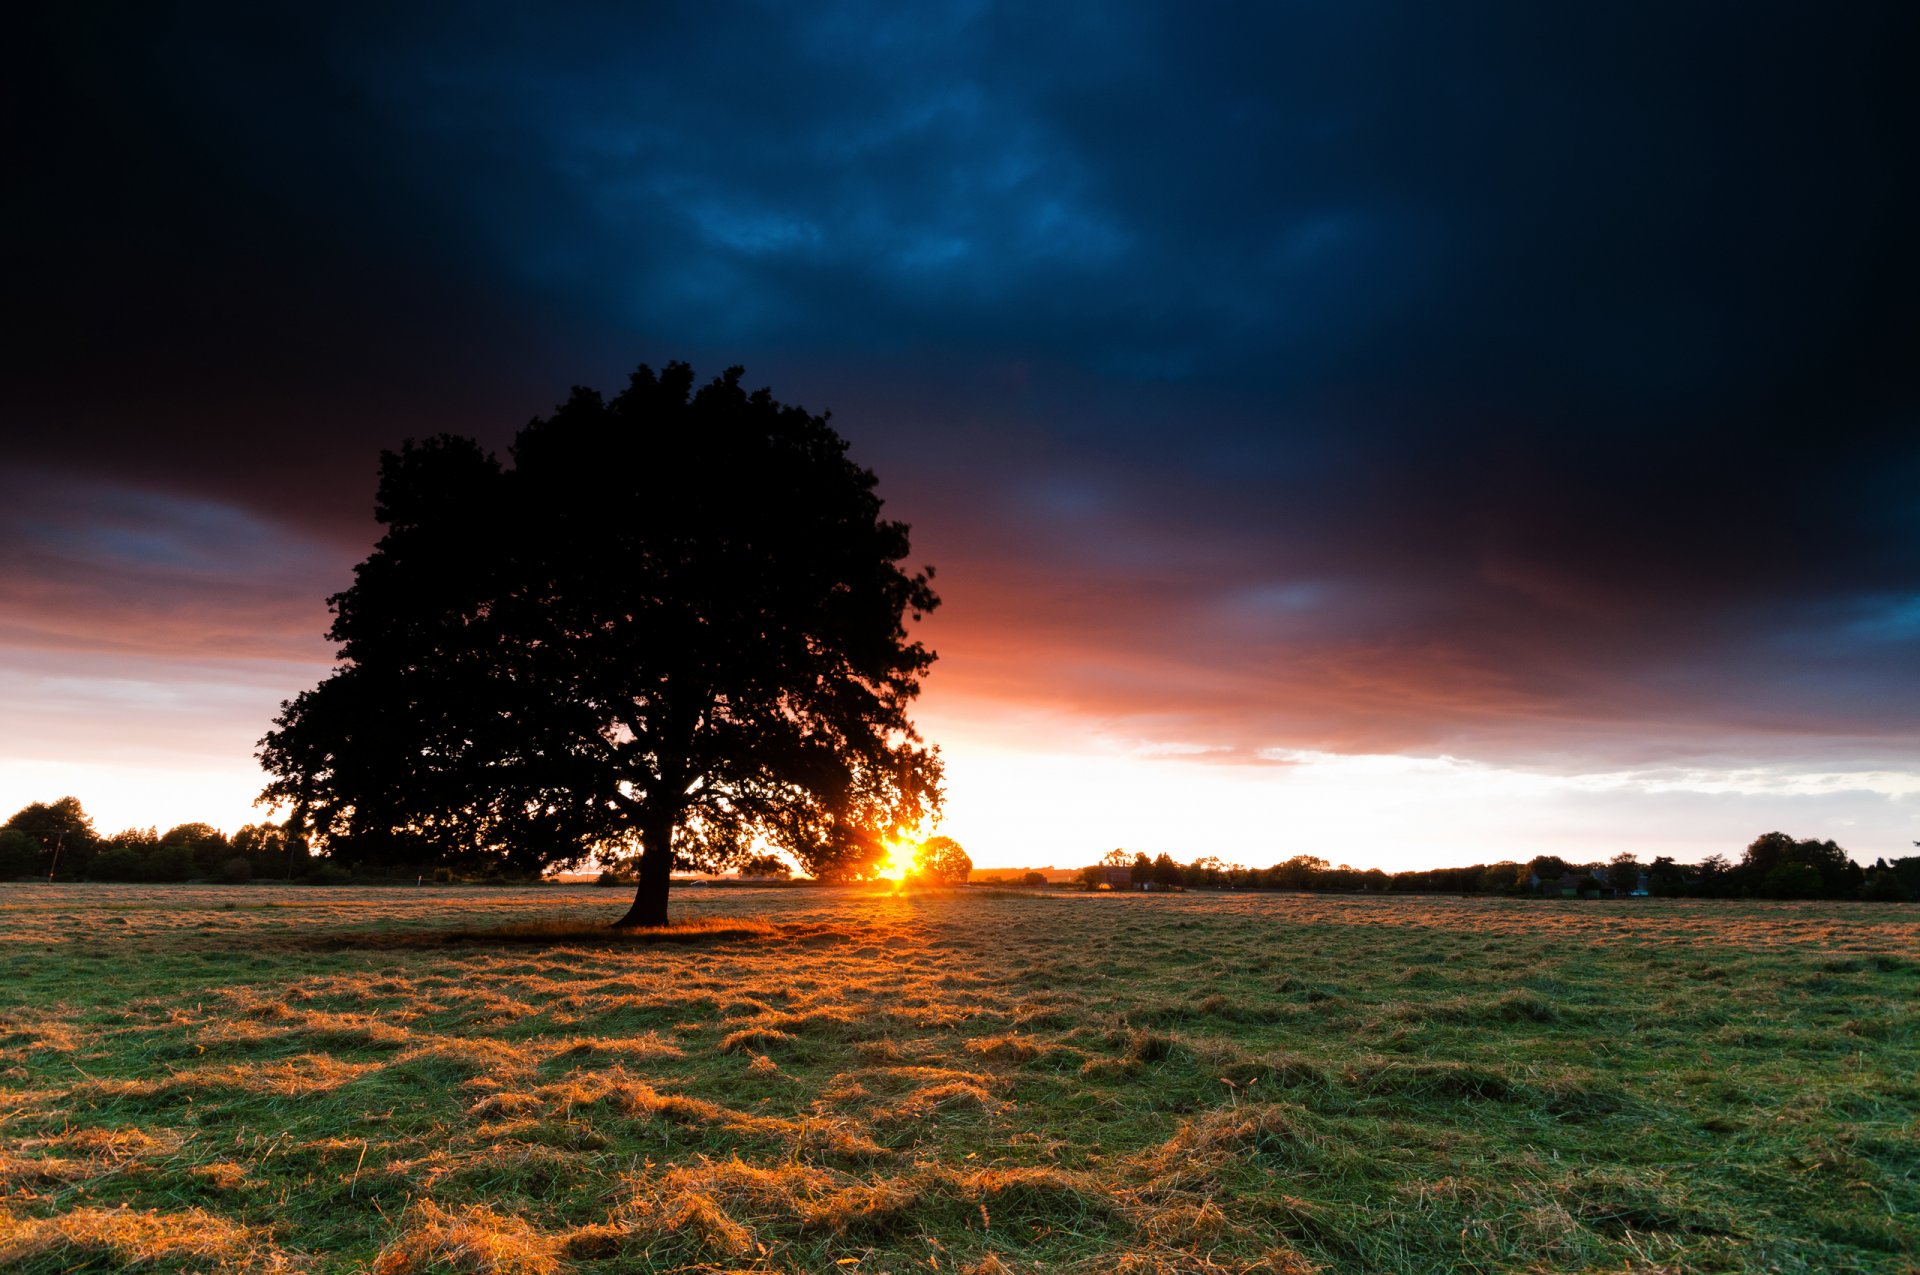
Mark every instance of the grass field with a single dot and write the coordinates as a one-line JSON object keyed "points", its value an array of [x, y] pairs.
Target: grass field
{"points": [[261, 1078]]}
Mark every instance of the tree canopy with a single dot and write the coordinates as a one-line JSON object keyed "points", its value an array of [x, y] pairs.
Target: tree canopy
{"points": [[675, 624], [942, 859]]}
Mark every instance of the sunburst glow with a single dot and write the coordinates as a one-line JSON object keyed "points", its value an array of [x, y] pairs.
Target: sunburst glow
{"points": [[899, 861]]}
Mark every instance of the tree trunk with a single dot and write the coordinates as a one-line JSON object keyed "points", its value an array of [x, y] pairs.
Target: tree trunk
{"points": [[656, 876]]}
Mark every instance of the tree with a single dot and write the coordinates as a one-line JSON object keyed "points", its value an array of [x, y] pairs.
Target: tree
{"points": [[1623, 873], [1839, 875], [1034, 879], [1142, 870], [1115, 858], [941, 859], [204, 847], [1166, 873], [63, 831], [1664, 878], [673, 626], [1547, 869], [766, 865]]}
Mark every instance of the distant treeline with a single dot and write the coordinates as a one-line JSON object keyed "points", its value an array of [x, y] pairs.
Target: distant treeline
{"points": [[58, 838], [1774, 866]]}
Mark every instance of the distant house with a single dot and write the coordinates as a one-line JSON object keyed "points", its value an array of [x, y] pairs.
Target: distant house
{"points": [[1106, 877]]}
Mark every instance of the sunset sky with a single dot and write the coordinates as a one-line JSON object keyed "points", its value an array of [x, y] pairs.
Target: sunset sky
{"points": [[1407, 434]]}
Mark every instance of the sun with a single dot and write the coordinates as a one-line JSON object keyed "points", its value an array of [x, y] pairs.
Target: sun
{"points": [[899, 861]]}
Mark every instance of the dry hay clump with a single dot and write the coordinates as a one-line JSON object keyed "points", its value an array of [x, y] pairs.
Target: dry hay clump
{"points": [[296, 1077], [951, 1098], [118, 1239], [473, 1241], [1276, 1134], [471, 1055], [79, 1154], [635, 1099], [724, 1211]]}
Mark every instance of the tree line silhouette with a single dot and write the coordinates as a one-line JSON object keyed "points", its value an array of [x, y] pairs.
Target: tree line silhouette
{"points": [[58, 838], [1773, 866]]}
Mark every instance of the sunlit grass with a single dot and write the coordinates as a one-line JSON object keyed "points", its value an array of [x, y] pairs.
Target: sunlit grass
{"points": [[957, 1081]]}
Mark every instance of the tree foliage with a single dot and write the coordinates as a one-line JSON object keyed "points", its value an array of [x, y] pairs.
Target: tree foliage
{"points": [[674, 625], [766, 865], [61, 833], [941, 859]]}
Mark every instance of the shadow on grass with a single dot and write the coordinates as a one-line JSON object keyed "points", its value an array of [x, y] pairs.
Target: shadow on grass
{"points": [[712, 929], [577, 933]]}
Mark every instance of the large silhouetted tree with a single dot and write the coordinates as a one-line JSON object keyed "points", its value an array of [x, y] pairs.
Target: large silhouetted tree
{"points": [[674, 624]]}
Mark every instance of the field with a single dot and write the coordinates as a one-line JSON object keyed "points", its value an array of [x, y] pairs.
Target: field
{"points": [[412, 1080]]}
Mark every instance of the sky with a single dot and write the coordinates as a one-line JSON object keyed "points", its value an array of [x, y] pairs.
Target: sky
{"points": [[1400, 433]]}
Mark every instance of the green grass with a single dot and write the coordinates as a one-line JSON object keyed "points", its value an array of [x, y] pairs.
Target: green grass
{"points": [[485, 1080]]}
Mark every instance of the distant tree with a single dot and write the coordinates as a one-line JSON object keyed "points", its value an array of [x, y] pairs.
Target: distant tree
{"points": [[1208, 870], [1497, 878], [674, 626], [64, 832], [1665, 878], [272, 850], [1142, 870], [206, 846], [941, 859], [1623, 873], [1166, 873], [1547, 869], [1302, 872], [1840, 876], [766, 865], [1713, 878], [1034, 879], [1115, 858]]}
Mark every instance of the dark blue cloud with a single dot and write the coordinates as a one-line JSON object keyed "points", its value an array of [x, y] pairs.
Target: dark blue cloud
{"points": [[1569, 347]]}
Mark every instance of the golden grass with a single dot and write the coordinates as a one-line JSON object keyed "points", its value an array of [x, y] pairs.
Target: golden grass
{"points": [[854, 1081], [473, 1240], [85, 1238]]}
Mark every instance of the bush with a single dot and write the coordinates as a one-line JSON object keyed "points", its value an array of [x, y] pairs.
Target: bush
{"points": [[328, 874], [611, 877], [1034, 879], [236, 871]]}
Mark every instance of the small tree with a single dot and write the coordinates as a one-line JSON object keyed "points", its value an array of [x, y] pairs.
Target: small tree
{"points": [[675, 626], [1034, 879], [1166, 873], [1623, 873], [941, 859]]}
